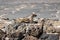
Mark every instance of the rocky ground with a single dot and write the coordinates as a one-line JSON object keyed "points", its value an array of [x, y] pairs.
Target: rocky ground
{"points": [[29, 29]]}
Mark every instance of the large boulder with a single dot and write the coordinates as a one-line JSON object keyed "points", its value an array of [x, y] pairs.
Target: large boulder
{"points": [[48, 26], [49, 36]]}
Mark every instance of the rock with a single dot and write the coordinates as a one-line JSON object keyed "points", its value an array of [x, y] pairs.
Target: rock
{"points": [[50, 36], [53, 37], [17, 35], [29, 29], [2, 34], [44, 36], [48, 26], [29, 38], [50, 30], [57, 26]]}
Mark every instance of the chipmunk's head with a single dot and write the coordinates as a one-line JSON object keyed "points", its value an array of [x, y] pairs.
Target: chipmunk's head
{"points": [[34, 15]]}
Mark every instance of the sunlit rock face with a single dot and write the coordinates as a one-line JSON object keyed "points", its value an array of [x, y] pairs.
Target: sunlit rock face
{"points": [[2, 23], [51, 26], [57, 26], [48, 25]]}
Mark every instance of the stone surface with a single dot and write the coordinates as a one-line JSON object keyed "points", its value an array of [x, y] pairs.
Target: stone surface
{"points": [[44, 29], [29, 38]]}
